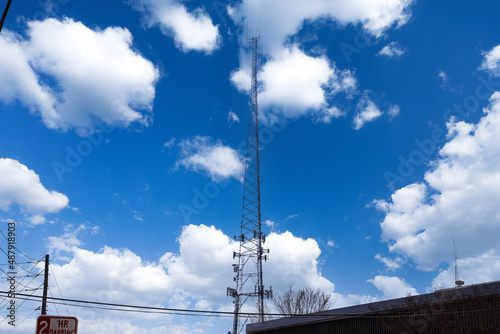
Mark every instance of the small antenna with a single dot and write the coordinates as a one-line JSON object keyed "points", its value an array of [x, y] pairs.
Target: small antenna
{"points": [[458, 281]]}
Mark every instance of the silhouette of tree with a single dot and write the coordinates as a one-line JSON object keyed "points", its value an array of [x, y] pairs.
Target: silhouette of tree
{"points": [[302, 301]]}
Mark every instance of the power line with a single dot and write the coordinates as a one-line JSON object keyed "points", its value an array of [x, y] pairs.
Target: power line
{"points": [[142, 311], [23, 320], [25, 285], [20, 283], [50, 291], [17, 263], [26, 256], [4, 251], [130, 306], [186, 312], [19, 304], [55, 280]]}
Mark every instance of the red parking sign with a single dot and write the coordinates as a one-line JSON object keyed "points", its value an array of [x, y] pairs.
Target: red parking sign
{"points": [[48, 324]]}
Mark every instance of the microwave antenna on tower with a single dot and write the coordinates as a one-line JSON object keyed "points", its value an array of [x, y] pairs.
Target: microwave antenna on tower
{"points": [[458, 281], [251, 254]]}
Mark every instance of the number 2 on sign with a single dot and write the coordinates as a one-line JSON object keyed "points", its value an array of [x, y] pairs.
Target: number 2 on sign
{"points": [[44, 325]]}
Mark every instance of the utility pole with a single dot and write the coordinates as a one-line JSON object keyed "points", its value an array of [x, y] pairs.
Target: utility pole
{"points": [[45, 285], [251, 239], [5, 14]]}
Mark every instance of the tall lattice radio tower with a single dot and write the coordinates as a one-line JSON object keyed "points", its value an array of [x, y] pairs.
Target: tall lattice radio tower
{"points": [[251, 254]]}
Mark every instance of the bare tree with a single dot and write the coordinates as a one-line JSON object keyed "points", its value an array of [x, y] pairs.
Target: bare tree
{"points": [[302, 301]]}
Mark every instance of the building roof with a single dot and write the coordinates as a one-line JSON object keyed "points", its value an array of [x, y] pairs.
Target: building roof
{"points": [[484, 289]]}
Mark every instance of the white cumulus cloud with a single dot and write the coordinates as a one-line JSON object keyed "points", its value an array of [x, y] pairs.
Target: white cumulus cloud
{"points": [[190, 30], [20, 185], [86, 66], [202, 268], [491, 62], [20, 82], [197, 274], [204, 154], [242, 79], [458, 196], [294, 84], [393, 287], [281, 19], [294, 260], [112, 275]]}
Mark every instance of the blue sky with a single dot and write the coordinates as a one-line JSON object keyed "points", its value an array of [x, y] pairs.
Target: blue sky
{"points": [[123, 127]]}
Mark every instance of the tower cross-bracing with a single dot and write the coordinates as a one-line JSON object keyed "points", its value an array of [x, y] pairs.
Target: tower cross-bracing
{"points": [[251, 254]]}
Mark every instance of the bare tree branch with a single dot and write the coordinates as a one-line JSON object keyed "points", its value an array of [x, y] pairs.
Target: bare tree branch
{"points": [[302, 301]]}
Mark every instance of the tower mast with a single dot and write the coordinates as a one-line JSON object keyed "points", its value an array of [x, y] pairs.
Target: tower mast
{"points": [[251, 252], [458, 281]]}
